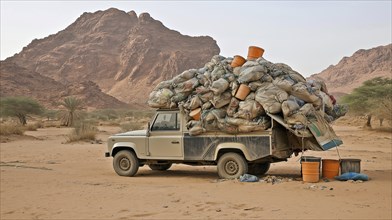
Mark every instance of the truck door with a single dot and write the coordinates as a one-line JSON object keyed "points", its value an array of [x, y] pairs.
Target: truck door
{"points": [[165, 141]]}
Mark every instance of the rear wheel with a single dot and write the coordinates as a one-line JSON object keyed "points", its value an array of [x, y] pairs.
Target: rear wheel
{"points": [[231, 166], [161, 167], [125, 163], [258, 169]]}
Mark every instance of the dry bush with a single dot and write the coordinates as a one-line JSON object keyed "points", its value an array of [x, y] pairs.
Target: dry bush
{"points": [[111, 123], [384, 129], [131, 126], [51, 124], [83, 131], [9, 129], [104, 114], [34, 126]]}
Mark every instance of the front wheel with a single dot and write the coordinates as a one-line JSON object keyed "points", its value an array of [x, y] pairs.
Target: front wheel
{"points": [[125, 163], [231, 166]]}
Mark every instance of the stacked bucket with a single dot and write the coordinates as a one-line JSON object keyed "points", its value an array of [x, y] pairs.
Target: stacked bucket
{"points": [[310, 168]]}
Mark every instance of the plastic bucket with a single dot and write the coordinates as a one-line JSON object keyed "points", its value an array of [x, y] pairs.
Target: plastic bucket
{"points": [[310, 172], [255, 52], [195, 114], [310, 159], [242, 92], [350, 165], [330, 168], [237, 61]]}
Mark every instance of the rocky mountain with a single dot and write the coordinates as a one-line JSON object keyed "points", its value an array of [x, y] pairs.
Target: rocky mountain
{"points": [[352, 71], [125, 55], [19, 81]]}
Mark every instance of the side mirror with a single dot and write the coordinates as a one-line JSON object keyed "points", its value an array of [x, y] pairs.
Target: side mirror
{"points": [[148, 129]]}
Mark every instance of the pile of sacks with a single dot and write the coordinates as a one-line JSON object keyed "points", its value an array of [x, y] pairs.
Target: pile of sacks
{"points": [[233, 95]]}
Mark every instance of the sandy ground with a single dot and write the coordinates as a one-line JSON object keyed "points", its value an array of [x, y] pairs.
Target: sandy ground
{"points": [[42, 178]]}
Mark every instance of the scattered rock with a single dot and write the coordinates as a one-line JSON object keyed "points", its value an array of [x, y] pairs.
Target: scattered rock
{"points": [[276, 179]]}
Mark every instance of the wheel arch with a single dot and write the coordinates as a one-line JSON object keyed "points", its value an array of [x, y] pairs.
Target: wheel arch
{"points": [[123, 146], [231, 147]]}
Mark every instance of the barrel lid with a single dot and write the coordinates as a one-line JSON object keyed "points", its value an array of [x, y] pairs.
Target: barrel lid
{"points": [[310, 159], [350, 159]]}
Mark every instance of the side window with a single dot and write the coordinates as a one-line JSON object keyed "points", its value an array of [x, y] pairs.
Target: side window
{"points": [[166, 122]]}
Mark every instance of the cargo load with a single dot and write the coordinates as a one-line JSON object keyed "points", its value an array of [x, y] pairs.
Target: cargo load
{"points": [[239, 96]]}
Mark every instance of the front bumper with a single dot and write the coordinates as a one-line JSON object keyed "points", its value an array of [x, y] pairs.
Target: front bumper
{"points": [[107, 154]]}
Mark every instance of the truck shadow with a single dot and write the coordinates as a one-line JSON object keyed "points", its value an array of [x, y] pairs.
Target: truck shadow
{"points": [[194, 172], [206, 173]]}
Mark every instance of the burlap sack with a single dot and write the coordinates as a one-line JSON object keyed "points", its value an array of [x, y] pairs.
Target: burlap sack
{"points": [[249, 110], [219, 86], [252, 74]]}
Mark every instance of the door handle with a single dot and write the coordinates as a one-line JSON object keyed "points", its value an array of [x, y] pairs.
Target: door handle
{"points": [[175, 142]]}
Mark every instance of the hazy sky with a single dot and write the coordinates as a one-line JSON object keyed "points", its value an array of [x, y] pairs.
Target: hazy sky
{"points": [[307, 35]]}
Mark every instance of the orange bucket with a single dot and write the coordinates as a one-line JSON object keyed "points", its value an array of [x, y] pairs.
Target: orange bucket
{"points": [[310, 171], [255, 52], [237, 61], [242, 92], [195, 114], [330, 168]]}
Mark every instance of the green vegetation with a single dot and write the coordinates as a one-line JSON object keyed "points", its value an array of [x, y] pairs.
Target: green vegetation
{"points": [[119, 114], [83, 131], [20, 107], [373, 98], [72, 112], [131, 126], [50, 114], [84, 123]]}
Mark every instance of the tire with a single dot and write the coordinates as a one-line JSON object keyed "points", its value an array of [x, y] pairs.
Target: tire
{"points": [[258, 169], [160, 167], [231, 166], [125, 163]]}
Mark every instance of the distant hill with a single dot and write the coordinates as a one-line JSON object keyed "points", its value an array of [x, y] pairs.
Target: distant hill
{"points": [[19, 81], [352, 71], [125, 55]]}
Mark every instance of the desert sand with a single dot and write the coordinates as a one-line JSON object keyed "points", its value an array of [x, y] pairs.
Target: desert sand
{"points": [[43, 178]]}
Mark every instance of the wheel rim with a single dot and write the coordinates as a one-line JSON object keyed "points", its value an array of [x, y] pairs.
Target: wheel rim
{"points": [[231, 167], [125, 164]]}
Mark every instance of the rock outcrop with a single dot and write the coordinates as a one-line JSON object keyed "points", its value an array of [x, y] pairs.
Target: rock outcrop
{"points": [[352, 71], [125, 55], [19, 81]]}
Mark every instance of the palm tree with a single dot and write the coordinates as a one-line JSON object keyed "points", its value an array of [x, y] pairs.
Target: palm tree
{"points": [[73, 107]]}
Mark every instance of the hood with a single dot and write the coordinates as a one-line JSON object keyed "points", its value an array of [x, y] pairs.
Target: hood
{"points": [[133, 133]]}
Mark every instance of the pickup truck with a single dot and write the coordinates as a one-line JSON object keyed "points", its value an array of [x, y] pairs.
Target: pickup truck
{"points": [[167, 141]]}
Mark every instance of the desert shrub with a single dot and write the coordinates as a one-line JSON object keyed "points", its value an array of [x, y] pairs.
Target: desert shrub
{"points": [[31, 127], [51, 114], [10, 128], [139, 113], [104, 114], [83, 131], [73, 111], [111, 123], [372, 98], [51, 124], [20, 107], [131, 126], [34, 126], [91, 121]]}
